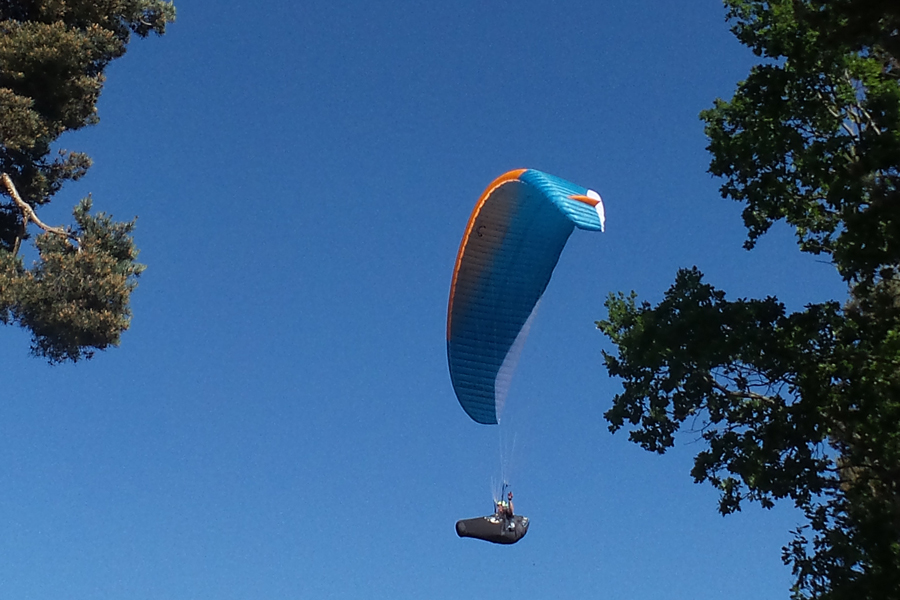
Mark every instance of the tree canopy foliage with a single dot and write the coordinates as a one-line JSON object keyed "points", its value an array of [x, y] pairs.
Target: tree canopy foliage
{"points": [[53, 53], [802, 406]]}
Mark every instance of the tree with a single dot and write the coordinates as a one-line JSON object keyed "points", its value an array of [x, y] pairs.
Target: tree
{"points": [[802, 406], [53, 53]]}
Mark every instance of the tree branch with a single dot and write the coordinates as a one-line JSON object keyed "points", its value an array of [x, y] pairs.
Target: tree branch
{"points": [[837, 115], [745, 394], [28, 214]]}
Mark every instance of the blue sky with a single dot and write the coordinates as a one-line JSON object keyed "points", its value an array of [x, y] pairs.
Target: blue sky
{"points": [[279, 422]]}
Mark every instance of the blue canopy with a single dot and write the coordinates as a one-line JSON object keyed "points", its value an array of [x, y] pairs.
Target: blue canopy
{"points": [[511, 245]]}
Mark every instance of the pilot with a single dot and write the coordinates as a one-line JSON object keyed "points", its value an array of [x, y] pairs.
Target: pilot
{"points": [[505, 507]]}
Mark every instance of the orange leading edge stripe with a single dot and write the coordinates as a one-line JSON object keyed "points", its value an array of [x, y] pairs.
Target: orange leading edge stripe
{"points": [[505, 178], [585, 199]]}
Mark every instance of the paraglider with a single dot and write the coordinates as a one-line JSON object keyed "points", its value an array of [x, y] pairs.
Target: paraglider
{"points": [[511, 245], [502, 527]]}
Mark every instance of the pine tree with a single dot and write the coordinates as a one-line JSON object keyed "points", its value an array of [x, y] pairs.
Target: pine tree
{"points": [[53, 53]]}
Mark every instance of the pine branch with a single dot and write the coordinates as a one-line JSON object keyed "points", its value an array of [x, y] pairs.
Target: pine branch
{"points": [[28, 214]]}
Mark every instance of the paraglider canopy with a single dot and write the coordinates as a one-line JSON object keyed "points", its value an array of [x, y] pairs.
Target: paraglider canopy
{"points": [[510, 247]]}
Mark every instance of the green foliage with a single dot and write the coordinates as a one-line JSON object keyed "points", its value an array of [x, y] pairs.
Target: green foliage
{"points": [[801, 406], [804, 406], [813, 135], [76, 299], [53, 54]]}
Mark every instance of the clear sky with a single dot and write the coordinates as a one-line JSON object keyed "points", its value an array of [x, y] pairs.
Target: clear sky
{"points": [[279, 422]]}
